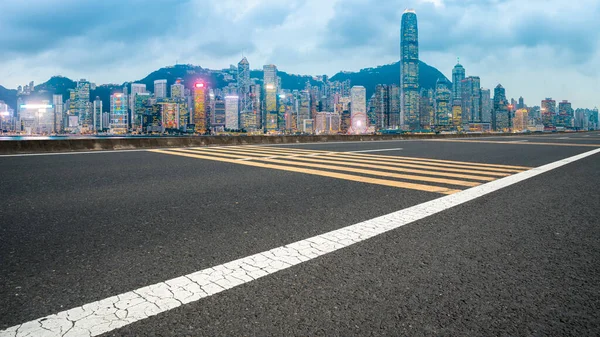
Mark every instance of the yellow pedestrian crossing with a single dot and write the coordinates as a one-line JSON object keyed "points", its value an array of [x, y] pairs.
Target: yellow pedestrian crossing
{"points": [[430, 175]]}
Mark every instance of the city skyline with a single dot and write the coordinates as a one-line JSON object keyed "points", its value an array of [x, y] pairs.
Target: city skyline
{"points": [[520, 56]]}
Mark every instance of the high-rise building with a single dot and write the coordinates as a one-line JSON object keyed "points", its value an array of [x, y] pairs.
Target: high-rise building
{"points": [[380, 107], [219, 117], [160, 89], [566, 114], [231, 113], [521, 104], [136, 88], [82, 104], [57, 101], [118, 113], [270, 95], [327, 123], [501, 114], [200, 108], [486, 106], [243, 85], [141, 107], [521, 120], [97, 115], [358, 110], [548, 110], [177, 90], [443, 106], [427, 108], [303, 108], [409, 70], [458, 74], [471, 98]]}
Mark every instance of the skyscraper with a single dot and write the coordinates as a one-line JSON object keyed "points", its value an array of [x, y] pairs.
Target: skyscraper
{"points": [[565, 117], [136, 88], [443, 106], [500, 115], [486, 106], [458, 74], [358, 110], [471, 97], [200, 108], [82, 103], [231, 112], [160, 88], [270, 100], [409, 70], [57, 102], [177, 90], [243, 84], [118, 113], [97, 115], [548, 112]]}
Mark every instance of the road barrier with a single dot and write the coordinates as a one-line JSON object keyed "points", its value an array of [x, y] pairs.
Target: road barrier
{"points": [[17, 146]]}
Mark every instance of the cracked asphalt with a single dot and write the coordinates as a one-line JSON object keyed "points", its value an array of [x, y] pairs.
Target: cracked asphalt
{"points": [[84, 228]]}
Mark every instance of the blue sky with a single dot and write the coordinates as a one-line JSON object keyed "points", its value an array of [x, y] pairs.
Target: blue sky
{"points": [[534, 48]]}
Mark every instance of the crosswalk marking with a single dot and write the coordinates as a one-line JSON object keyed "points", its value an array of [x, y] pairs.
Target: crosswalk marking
{"points": [[333, 157], [402, 172], [511, 143], [391, 183], [414, 160], [428, 160]]}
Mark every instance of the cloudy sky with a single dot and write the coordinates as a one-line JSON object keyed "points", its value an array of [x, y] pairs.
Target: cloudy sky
{"points": [[534, 48]]}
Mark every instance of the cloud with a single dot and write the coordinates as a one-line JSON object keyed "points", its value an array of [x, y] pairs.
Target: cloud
{"points": [[513, 41]]}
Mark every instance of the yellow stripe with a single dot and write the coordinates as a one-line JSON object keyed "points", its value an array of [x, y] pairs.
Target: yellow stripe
{"points": [[509, 168], [513, 143], [353, 170], [332, 156], [256, 153], [302, 157], [437, 166], [391, 168], [391, 183]]}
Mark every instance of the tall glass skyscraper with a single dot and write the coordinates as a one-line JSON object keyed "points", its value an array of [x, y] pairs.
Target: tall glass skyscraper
{"points": [[409, 70]]}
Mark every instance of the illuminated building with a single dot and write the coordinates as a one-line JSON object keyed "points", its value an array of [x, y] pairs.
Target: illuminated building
{"points": [[501, 113], [327, 123], [37, 117], [521, 104], [303, 107], [457, 120], [308, 126], [565, 117], [409, 70], [270, 87], [386, 106], [97, 115], [426, 108], [243, 85], [281, 112], [471, 99], [160, 89], [177, 90], [443, 108], [118, 113], [548, 111], [521, 120], [82, 104], [458, 74], [200, 108], [231, 113], [152, 119], [169, 112], [358, 110], [136, 88], [57, 101], [219, 117], [486, 105]]}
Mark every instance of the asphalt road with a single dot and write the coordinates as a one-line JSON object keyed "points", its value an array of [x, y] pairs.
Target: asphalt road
{"points": [[520, 261]]}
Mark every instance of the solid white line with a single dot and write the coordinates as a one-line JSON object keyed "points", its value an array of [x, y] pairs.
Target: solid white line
{"points": [[379, 150], [102, 316]]}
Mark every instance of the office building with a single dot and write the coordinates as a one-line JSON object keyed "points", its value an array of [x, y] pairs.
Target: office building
{"points": [[409, 70]]}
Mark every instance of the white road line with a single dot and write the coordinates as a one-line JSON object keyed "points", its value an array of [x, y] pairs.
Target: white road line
{"points": [[74, 152], [106, 315], [518, 141], [379, 150]]}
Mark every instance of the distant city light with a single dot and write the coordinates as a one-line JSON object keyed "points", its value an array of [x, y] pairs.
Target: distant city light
{"points": [[281, 96], [199, 85], [270, 86], [4, 113], [232, 97], [36, 106]]}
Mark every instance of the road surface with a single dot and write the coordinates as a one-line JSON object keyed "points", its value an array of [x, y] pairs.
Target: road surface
{"points": [[490, 236]]}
